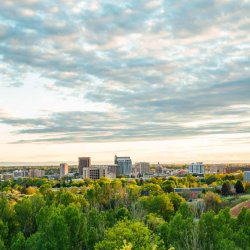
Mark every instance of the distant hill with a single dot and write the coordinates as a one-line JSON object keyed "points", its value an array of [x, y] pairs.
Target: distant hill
{"points": [[236, 209]]}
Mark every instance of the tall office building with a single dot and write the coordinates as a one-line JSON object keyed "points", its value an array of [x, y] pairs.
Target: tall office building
{"points": [[196, 168], [124, 165], [64, 169], [83, 162]]}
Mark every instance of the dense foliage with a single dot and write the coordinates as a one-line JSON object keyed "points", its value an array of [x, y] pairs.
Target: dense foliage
{"points": [[117, 214]]}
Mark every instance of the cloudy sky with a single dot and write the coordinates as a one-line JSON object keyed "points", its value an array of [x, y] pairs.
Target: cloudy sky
{"points": [[158, 80]]}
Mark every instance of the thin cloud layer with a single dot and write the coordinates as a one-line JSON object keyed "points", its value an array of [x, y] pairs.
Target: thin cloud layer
{"points": [[163, 69]]}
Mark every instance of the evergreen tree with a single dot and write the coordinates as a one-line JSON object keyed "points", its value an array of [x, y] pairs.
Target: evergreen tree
{"points": [[239, 188], [226, 188]]}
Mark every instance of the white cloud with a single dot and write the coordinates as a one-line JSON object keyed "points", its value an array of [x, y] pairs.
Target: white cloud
{"points": [[172, 63]]}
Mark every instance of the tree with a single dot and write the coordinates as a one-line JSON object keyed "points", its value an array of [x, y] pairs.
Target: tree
{"points": [[176, 199], [77, 226], [52, 232], [18, 242], [126, 246], [181, 232], [239, 188], [134, 232], [26, 210], [2, 246], [226, 188], [207, 231], [151, 188], [160, 204], [30, 190], [122, 213], [154, 222], [168, 186], [212, 201]]}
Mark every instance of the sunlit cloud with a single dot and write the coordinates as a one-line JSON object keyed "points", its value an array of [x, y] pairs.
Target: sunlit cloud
{"points": [[124, 71]]}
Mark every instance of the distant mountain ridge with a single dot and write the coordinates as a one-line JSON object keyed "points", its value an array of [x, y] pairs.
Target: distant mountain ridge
{"points": [[46, 163]]}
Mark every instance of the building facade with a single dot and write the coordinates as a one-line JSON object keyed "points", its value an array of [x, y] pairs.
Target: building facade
{"points": [[64, 169], [124, 166], [217, 169], [97, 171], [246, 176], [20, 173], [83, 162], [141, 168], [196, 168], [36, 173], [7, 176]]}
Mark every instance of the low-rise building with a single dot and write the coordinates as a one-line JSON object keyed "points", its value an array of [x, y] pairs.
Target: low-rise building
{"points": [[218, 168], [196, 168], [36, 173], [8, 176]]}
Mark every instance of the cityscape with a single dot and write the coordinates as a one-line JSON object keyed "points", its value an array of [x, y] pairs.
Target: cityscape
{"points": [[124, 125], [121, 167]]}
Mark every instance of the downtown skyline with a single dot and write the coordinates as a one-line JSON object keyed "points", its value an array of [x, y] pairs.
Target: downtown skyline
{"points": [[157, 81]]}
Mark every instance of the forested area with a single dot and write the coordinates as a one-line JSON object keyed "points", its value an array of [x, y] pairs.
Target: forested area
{"points": [[117, 214]]}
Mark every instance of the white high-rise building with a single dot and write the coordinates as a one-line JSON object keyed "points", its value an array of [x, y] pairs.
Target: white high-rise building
{"points": [[124, 165], [196, 168]]}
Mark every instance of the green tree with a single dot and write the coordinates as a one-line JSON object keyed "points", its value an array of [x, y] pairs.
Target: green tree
{"points": [[134, 232], [241, 228], [77, 226], [212, 201], [181, 233], [8, 218], [160, 204], [18, 242], [152, 189], [2, 245], [26, 211], [54, 234], [176, 199], [226, 188], [239, 188], [122, 213], [168, 186]]}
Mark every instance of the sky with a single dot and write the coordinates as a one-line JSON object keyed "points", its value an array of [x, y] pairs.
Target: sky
{"points": [[156, 80]]}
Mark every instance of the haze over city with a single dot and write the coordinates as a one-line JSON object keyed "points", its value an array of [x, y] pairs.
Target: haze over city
{"points": [[164, 81]]}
